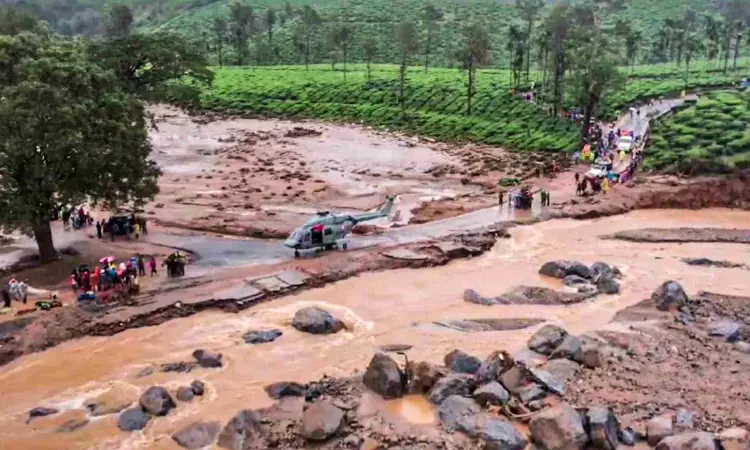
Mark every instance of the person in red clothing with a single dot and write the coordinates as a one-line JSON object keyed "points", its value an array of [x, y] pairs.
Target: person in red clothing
{"points": [[152, 265]]}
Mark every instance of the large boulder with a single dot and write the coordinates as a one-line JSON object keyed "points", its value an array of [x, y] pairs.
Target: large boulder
{"points": [[157, 401], [261, 336], [198, 387], [321, 420], [492, 393], [285, 389], [457, 409], [562, 268], [465, 415], [41, 412], [492, 367], [574, 281], [603, 427], [547, 339], [688, 441], [133, 419], [569, 348], [472, 296], [562, 370], [423, 376], [242, 431], [208, 359], [658, 428], [669, 295], [601, 268], [384, 377], [558, 428], [735, 439], [547, 380], [197, 435], [316, 321], [453, 384], [461, 362], [185, 394], [514, 379], [606, 284], [531, 393]]}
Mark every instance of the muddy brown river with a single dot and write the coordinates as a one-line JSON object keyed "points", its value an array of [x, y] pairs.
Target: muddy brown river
{"points": [[394, 307]]}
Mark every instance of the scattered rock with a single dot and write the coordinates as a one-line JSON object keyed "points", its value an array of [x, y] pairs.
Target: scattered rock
{"points": [[352, 441], [181, 367], [133, 419], [146, 371], [453, 384], [628, 437], [492, 393], [472, 296], [197, 435], [592, 355], [688, 441], [683, 420], [562, 268], [72, 425], [574, 280], [157, 401], [536, 405], [384, 377], [185, 394], [461, 362], [492, 367], [587, 290], [558, 428], [41, 412], [321, 420], [742, 347], [606, 284], [658, 428], [208, 359], [396, 347], [531, 392], [601, 268], [563, 370], [316, 321], [464, 414], [547, 339], [727, 329], [241, 432], [423, 376], [569, 348], [711, 263], [669, 295], [514, 379], [603, 427], [455, 409], [547, 380], [261, 336], [285, 389], [198, 387], [735, 439]]}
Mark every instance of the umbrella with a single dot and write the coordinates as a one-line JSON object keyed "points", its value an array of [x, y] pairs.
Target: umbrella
{"points": [[107, 259]]}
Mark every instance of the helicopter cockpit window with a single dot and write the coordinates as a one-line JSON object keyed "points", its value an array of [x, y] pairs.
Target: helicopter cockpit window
{"points": [[328, 231]]}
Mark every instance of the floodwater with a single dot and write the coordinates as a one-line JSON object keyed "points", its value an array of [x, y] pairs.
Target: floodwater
{"points": [[378, 308]]}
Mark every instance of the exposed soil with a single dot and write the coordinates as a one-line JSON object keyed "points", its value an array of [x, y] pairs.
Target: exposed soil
{"points": [[683, 235]]}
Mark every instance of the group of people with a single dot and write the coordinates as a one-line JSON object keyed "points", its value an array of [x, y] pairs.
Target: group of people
{"points": [[122, 225], [14, 290], [110, 275], [77, 218]]}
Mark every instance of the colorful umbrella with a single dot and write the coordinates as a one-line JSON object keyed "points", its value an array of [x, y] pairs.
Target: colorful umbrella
{"points": [[107, 259]]}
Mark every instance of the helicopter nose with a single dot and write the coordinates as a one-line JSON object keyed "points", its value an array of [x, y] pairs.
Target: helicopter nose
{"points": [[291, 243]]}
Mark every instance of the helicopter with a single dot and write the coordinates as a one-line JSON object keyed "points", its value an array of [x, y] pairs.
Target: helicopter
{"points": [[326, 230]]}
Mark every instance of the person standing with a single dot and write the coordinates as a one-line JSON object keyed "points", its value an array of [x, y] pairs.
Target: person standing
{"points": [[500, 198], [141, 266], [6, 297], [152, 265], [98, 230], [74, 283], [137, 230]]}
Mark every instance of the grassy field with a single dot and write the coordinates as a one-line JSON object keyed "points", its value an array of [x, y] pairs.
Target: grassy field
{"points": [[711, 136]]}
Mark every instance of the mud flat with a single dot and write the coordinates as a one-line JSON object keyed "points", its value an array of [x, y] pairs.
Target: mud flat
{"points": [[735, 236]]}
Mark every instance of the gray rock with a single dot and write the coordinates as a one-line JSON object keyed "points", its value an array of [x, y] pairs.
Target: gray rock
{"points": [[491, 368], [574, 280], [688, 441], [558, 428], [628, 436], [146, 371], [316, 321], [455, 409], [588, 290], [197, 435], [547, 339], [592, 355], [569, 348], [352, 441], [242, 431], [472, 296], [207, 359], [384, 377], [726, 329], [133, 419], [536, 405], [547, 380], [606, 284], [261, 336], [669, 295], [453, 384], [514, 379], [603, 427], [601, 268], [563, 268], [458, 361], [492, 393], [683, 420], [321, 420], [285, 389], [41, 412], [735, 439], [531, 392], [198, 387], [563, 370], [72, 425], [185, 394], [157, 401], [742, 347], [180, 367], [658, 428]]}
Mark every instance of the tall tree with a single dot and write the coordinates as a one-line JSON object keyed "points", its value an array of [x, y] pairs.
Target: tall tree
{"points": [[310, 21], [243, 22], [475, 53], [119, 21], [529, 10], [693, 45], [342, 35], [269, 20], [432, 16], [219, 29], [516, 47], [68, 134], [543, 44], [739, 30], [558, 25], [369, 52], [14, 21], [408, 40], [713, 34]]}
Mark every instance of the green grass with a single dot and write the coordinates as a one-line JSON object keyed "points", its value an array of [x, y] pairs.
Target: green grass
{"points": [[713, 135]]}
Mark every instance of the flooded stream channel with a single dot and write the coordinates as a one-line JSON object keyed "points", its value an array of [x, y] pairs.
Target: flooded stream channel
{"points": [[378, 308]]}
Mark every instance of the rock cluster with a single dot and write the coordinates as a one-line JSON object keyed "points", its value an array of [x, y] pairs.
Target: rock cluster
{"points": [[600, 278], [157, 401]]}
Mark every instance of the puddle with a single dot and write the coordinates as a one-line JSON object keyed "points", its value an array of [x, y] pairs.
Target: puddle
{"points": [[415, 409]]}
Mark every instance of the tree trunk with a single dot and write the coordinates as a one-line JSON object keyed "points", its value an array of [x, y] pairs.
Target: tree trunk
{"points": [[368, 70], [528, 48], [43, 237], [402, 80], [587, 120], [307, 52], [221, 62], [470, 92], [345, 62], [427, 49], [737, 43]]}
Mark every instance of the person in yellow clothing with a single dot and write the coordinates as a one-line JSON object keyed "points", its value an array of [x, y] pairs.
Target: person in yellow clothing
{"points": [[622, 155], [605, 185], [137, 230]]}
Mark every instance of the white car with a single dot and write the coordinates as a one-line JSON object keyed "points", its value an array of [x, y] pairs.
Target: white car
{"points": [[625, 144], [599, 170]]}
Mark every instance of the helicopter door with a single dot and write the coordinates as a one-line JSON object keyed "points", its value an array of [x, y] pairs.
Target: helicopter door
{"points": [[317, 234], [328, 235]]}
